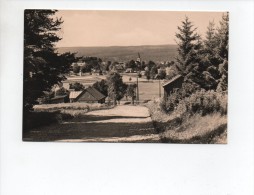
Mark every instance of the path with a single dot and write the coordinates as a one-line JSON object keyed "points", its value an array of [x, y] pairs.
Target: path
{"points": [[121, 124]]}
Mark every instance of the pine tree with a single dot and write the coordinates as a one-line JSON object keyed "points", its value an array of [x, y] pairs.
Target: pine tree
{"points": [[222, 38], [210, 44], [188, 46], [207, 72], [222, 51], [43, 67]]}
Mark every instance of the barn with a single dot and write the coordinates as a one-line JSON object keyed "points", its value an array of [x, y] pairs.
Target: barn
{"points": [[88, 95], [172, 85]]}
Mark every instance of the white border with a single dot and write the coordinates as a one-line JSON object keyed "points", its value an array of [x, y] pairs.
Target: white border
{"points": [[91, 168]]}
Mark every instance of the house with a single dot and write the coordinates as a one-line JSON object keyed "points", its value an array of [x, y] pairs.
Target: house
{"points": [[129, 70], [79, 63], [172, 85], [73, 95], [59, 99], [119, 68], [88, 95], [143, 72]]}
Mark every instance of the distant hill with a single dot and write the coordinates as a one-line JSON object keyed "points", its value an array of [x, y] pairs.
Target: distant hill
{"points": [[155, 53]]}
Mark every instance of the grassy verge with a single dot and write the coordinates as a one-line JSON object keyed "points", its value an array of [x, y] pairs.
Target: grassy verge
{"points": [[47, 114], [178, 127], [73, 109]]}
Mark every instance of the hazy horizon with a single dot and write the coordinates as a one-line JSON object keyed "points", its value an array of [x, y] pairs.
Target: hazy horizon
{"points": [[123, 45], [83, 28]]}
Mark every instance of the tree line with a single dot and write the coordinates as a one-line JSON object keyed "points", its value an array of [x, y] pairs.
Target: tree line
{"points": [[204, 62], [204, 65]]}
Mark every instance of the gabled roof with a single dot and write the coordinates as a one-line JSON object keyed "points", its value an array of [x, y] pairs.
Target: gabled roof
{"points": [[74, 94], [95, 94], [172, 80]]}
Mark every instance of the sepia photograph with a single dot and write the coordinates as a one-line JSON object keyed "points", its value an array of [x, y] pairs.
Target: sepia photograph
{"points": [[125, 76]]}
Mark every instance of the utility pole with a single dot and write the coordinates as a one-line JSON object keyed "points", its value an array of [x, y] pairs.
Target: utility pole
{"points": [[159, 87], [137, 78], [137, 90]]}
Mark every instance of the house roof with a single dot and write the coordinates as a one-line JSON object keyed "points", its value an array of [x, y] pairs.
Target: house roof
{"points": [[95, 95], [74, 94], [171, 80], [59, 97]]}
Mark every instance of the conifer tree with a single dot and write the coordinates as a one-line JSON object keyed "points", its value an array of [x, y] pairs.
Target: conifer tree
{"points": [[188, 45], [210, 44], [43, 66], [222, 38], [222, 51]]}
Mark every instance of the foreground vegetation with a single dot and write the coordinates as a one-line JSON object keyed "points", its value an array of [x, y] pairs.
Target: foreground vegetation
{"points": [[119, 124], [197, 112], [47, 114], [200, 118]]}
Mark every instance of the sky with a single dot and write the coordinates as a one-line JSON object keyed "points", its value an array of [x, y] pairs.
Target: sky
{"points": [[127, 28]]}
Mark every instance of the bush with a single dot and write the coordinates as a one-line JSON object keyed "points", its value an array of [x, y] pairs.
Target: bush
{"points": [[205, 102], [77, 86], [174, 99], [37, 119], [199, 101]]}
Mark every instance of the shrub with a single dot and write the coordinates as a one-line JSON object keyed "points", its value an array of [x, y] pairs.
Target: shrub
{"points": [[205, 102], [199, 101], [174, 99], [77, 86], [37, 119]]}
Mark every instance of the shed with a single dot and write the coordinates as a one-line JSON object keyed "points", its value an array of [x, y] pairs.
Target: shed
{"points": [[171, 85]]}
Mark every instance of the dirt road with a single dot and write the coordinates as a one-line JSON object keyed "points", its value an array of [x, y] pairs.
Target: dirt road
{"points": [[120, 124]]}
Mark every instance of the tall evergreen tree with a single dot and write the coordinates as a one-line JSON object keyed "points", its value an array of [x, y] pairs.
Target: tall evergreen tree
{"points": [[189, 43], [222, 37], [43, 66], [210, 44], [222, 51]]}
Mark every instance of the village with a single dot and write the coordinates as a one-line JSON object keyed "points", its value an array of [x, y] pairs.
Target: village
{"points": [[79, 86]]}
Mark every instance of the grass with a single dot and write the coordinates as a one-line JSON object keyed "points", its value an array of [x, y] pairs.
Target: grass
{"points": [[46, 114], [198, 129], [149, 90], [82, 107], [177, 127]]}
